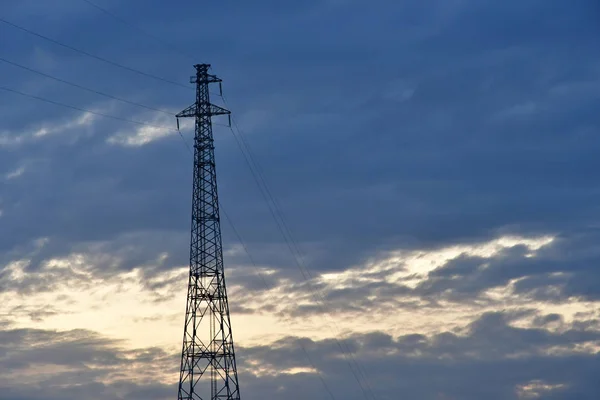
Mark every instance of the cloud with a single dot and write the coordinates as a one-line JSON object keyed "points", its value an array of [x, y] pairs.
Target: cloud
{"points": [[441, 176], [446, 365], [12, 139], [425, 289], [141, 136], [433, 159], [14, 174], [157, 129], [450, 362], [558, 271], [76, 363]]}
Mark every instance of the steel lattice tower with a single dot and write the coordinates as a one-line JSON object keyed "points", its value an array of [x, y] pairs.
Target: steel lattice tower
{"points": [[208, 369]]}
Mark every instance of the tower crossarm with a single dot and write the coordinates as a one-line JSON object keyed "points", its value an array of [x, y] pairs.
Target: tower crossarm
{"points": [[209, 110]]}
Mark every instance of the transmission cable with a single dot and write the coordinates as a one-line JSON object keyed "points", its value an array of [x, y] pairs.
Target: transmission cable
{"points": [[107, 61], [257, 271], [286, 233], [84, 87], [84, 109], [282, 226], [264, 281]]}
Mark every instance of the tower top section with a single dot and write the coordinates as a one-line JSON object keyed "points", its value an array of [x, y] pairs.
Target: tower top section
{"points": [[203, 106], [202, 75], [204, 67]]}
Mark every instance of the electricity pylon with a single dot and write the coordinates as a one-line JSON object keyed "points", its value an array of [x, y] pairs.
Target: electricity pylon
{"points": [[208, 369]]}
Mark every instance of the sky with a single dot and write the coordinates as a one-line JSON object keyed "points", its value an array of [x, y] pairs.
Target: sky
{"points": [[434, 160]]}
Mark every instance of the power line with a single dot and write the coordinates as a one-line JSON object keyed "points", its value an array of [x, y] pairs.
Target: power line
{"points": [[115, 64], [137, 28], [56, 103], [299, 261], [85, 110], [84, 87], [282, 226], [284, 229], [264, 282], [90, 111], [257, 271]]}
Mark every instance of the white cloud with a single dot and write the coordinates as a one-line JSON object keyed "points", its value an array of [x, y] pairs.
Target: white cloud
{"points": [[14, 174], [13, 138], [537, 389], [129, 306], [140, 136], [84, 119], [143, 135]]}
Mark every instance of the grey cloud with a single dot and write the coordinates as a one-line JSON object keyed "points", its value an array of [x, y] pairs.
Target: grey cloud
{"points": [[445, 364], [25, 347], [438, 168], [419, 366], [89, 358], [559, 270]]}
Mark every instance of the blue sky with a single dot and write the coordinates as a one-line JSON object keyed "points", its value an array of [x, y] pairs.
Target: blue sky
{"points": [[434, 159]]}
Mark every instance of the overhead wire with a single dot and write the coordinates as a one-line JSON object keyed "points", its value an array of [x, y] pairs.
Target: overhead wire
{"points": [[305, 273], [84, 87], [100, 114], [264, 282], [293, 246], [105, 60], [257, 271]]}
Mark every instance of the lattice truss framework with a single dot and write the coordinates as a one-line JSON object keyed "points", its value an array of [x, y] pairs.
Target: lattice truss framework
{"points": [[208, 368]]}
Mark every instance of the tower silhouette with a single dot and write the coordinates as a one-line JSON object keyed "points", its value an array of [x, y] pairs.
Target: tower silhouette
{"points": [[208, 369]]}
